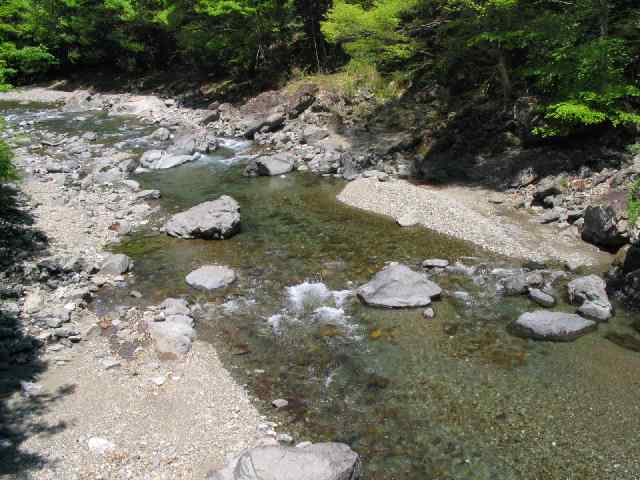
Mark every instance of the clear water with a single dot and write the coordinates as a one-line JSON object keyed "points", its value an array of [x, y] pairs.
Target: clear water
{"points": [[451, 398]]}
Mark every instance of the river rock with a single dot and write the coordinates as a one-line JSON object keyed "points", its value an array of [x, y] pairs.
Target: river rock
{"points": [[552, 326], [541, 298], [170, 161], [175, 306], [100, 446], [116, 265], [408, 219], [520, 283], [211, 277], [163, 134], [214, 220], [269, 122], [397, 286], [435, 263], [172, 338], [321, 461], [190, 142], [549, 186], [150, 157], [590, 294], [270, 165], [600, 228]]}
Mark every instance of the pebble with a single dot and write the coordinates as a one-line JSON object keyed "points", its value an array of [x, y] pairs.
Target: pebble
{"points": [[429, 313], [280, 403]]}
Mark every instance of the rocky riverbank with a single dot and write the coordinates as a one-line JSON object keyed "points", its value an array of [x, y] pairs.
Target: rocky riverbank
{"points": [[124, 399], [79, 195]]}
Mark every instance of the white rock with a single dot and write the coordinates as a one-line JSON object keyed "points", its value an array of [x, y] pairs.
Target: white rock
{"points": [[100, 446]]}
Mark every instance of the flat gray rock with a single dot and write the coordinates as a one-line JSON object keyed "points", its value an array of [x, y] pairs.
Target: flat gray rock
{"points": [[171, 161], [270, 165], [211, 277], [590, 294], [397, 286], [542, 298], [321, 461], [116, 265], [214, 220], [552, 326]]}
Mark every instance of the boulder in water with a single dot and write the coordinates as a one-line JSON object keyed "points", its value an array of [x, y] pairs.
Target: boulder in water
{"points": [[552, 326], [590, 294], [116, 265], [214, 220], [397, 286], [321, 461], [211, 277], [270, 165]]}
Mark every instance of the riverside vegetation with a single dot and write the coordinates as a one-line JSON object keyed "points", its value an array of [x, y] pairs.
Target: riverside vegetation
{"points": [[379, 224]]}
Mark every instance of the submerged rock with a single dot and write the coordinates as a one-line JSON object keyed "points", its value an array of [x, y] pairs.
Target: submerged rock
{"points": [[397, 286], [590, 294], [116, 265], [214, 220], [270, 165], [552, 326], [322, 461], [211, 277]]}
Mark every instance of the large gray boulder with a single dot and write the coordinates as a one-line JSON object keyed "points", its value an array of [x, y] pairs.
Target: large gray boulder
{"points": [[270, 165], [322, 461], [116, 264], [552, 326], [193, 141], [265, 122], [600, 228], [397, 286], [214, 220], [590, 294], [172, 338], [211, 277]]}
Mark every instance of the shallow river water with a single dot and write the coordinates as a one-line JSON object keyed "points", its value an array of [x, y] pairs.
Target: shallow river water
{"points": [[456, 397]]}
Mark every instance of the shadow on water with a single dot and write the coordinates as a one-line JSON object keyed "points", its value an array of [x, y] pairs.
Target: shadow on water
{"points": [[21, 404]]}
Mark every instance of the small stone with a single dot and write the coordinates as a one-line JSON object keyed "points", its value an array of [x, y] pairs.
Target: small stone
{"points": [[280, 403], [304, 444], [429, 314], [435, 263], [135, 294], [100, 446], [30, 389], [284, 438], [159, 380], [109, 363], [408, 219]]}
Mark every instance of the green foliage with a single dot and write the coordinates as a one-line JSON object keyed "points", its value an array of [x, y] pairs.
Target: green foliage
{"points": [[370, 33], [7, 172]]}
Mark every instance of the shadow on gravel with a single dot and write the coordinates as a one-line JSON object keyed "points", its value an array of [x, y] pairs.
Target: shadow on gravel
{"points": [[20, 401]]}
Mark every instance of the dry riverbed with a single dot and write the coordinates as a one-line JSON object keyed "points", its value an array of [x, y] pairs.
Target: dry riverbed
{"points": [[469, 214]]}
